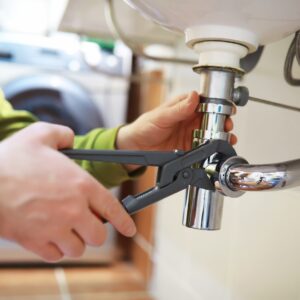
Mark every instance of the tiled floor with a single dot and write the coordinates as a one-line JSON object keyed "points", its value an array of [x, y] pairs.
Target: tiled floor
{"points": [[119, 282]]}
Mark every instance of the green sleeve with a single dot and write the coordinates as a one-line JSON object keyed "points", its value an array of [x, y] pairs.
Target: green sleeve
{"points": [[12, 120], [109, 174]]}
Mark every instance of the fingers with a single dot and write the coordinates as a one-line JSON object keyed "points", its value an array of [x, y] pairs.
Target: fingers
{"points": [[228, 124], [233, 139], [185, 108], [92, 231], [63, 137], [55, 136], [229, 127], [178, 110], [70, 244], [182, 109], [48, 252], [175, 100], [110, 209], [234, 109]]}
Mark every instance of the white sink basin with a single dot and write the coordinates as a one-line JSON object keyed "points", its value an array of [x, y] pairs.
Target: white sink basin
{"points": [[263, 20]]}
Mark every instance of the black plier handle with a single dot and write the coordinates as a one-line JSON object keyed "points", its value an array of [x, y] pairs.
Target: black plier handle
{"points": [[175, 172]]}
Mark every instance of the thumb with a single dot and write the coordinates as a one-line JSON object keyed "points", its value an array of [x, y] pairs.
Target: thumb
{"points": [[180, 111], [55, 136]]}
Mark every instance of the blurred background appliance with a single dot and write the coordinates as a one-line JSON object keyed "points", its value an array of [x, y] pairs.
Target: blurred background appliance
{"points": [[55, 99]]}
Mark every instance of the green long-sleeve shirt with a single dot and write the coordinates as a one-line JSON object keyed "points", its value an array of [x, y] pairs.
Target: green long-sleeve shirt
{"points": [[109, 174]]}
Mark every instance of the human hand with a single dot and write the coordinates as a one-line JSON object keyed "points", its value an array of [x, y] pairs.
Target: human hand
{"points": [[167, 127], [48, 204]]}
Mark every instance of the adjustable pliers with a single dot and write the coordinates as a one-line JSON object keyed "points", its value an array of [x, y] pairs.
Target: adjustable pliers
{"points": [[176, 169]]}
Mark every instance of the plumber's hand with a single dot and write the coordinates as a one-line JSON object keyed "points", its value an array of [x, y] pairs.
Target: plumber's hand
{"points": [[48, 204], [167, 127]]}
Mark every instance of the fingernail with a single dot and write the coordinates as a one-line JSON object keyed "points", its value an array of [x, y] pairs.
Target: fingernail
{"points": [[190, 96], [233, 110], [131, 231]]}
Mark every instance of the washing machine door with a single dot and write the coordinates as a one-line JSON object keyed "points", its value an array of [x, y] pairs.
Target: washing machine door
{"points": [[55, 99]]}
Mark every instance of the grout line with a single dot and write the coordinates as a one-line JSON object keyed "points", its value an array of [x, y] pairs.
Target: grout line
{"points": [[62, 284], [144, 244], [180, 282], [155, 258]]}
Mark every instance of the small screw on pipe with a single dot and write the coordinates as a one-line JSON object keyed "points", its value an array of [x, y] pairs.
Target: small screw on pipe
{"points": [[241, 96]]}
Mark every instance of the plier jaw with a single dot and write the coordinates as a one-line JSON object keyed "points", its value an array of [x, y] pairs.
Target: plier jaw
{"points": [[176, 169]]}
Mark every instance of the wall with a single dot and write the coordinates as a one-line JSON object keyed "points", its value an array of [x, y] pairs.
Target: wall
{"points": [[256, 253]]}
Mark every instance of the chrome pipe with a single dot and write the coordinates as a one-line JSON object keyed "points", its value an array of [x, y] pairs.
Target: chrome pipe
{"points": [[245, 177], [216, 83], [203, 208]]}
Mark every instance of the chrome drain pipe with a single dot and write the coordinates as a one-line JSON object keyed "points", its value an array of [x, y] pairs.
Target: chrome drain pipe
{"points": [[203, 208], [236, 176]]}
